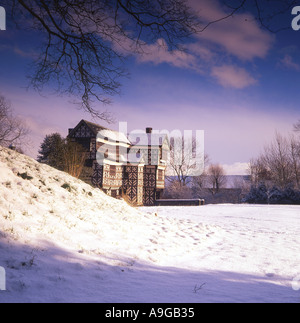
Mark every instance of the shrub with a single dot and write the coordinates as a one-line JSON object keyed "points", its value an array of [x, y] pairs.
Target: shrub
{"points": [[25, 176], [291, 196], [257, 195], [276, 196], [67, 187], [261, 195]]}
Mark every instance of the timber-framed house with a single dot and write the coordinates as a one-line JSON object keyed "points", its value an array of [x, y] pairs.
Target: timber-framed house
{"points": [[123, 166]]}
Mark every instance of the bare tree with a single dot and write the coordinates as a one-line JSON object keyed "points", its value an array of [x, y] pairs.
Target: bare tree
{"points": [[12, 129], [184, 159], [199, 183], [279, 164], [216, 178], [258, 171], [277, 160], [86, 42], [74, 158], [294, 150]]}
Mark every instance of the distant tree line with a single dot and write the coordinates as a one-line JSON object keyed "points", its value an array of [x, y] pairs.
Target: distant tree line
{"points": [[275, 174], [264, 195]]}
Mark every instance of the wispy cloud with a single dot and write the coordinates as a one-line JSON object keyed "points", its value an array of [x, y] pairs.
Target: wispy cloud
{"points": [[232, 76], [239, 35], [25, 53], [159, 53], [287, 62], [218, 51], [28, 53]]}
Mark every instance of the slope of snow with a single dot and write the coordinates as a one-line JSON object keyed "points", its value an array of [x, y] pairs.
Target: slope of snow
{"points": [[63, 241]]}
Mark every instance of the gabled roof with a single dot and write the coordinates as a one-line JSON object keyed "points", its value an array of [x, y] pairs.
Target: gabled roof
{"points": [[102, 132], [94, 127]]}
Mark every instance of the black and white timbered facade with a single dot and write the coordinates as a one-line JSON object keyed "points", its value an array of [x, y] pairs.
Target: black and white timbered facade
{"points": [[132, 167]]}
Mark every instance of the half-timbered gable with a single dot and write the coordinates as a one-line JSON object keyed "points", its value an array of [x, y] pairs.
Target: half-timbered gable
{"points": [[131, 167], [85, 133]]}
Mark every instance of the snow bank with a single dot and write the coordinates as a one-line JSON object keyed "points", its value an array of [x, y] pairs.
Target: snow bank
{"points": [[63, 241]]}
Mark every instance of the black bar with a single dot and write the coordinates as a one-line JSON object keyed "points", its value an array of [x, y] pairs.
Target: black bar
{"points": [[144, 312]]}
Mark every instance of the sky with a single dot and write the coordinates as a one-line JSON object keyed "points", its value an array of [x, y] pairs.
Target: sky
{"points": [[238, 82]]}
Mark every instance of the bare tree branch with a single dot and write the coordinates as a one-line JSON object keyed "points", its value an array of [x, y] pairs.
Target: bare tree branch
{"points": [[86, 42], [268, 13], [81, 53], [12, 129], [297, 126]]}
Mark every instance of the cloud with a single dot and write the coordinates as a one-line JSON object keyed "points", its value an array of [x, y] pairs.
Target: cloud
{"points": [[25, 54], [237, 39], [159, 53], [240, 35], [232, 76], [288, 63], [15, 49], [236, 169]]}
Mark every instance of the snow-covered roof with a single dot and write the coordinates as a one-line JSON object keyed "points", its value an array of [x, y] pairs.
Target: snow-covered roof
{"points": [[112, 136], [102, 133]]}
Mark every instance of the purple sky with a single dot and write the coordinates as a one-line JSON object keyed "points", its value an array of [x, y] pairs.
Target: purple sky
{"points": [[238, 82]]}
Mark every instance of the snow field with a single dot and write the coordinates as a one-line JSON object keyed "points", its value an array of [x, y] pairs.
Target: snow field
{"points": [[63, 241], [257, 245]]}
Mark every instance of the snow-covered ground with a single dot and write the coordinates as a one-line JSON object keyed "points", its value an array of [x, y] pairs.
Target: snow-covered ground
{"points": [[63, 241]]}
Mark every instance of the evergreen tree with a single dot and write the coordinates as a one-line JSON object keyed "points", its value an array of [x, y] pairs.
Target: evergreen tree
{"points": [[291, 196], [52, 151], [276, 196], [257, 195]]}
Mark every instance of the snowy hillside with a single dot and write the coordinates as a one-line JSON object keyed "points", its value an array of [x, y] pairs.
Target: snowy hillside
{"points": [[63, 241]]}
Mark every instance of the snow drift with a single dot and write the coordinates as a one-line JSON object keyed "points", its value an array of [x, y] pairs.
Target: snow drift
{"points": [[63, 241]]}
